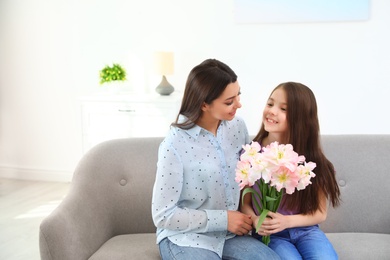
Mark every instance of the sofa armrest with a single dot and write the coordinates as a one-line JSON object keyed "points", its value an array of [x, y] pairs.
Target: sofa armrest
{"points": [[110, 195], [75, 230]]}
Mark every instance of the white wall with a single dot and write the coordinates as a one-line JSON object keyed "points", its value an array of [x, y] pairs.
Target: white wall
{"points": [[51, 52]]}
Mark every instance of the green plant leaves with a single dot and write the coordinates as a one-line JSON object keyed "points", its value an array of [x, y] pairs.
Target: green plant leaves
{"points": [[116, 72]]}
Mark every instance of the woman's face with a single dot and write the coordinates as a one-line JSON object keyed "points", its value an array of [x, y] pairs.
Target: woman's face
{"points": [[275, 112], [226, 105]]}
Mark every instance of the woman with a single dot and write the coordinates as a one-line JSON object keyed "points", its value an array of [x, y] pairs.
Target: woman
{"points": [[195, 198]]}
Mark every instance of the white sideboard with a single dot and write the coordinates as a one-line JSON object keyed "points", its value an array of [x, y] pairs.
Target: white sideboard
{"points": [[112, 116]]}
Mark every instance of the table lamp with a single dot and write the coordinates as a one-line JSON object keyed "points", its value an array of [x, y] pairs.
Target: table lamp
{"points": [[163, 65]]}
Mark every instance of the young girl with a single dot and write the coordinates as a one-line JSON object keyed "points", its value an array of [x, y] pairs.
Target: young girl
{"points": [[195, 197], [290, 117]]}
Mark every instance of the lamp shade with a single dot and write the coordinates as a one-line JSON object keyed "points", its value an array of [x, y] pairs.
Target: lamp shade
{"points": [[163, 63]]}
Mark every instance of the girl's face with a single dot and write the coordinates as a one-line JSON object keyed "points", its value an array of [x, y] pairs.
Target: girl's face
{"points": [[226, 105], [275, 113]]}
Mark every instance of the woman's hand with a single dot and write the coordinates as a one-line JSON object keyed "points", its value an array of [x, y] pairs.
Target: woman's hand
{"points": [[239, 223]]}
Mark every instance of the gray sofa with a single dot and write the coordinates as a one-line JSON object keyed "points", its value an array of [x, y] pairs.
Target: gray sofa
{"points": [[107, 212]]}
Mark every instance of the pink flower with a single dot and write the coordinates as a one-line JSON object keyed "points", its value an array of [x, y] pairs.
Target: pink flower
{"points": [[282, 156], [261, 168], [250, 151], [305, 174], [252, 166], [242, 173], [284, 178]]}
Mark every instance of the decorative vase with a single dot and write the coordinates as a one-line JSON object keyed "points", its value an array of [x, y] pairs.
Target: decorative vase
{"points": [[164, 88], [115, 86]]}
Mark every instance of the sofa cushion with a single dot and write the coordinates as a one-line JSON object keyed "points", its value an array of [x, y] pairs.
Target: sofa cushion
{"points": [[134, 246], [360, 245]]}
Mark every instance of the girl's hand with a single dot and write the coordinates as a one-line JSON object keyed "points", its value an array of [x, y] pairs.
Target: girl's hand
{"points": [[275, 222]]}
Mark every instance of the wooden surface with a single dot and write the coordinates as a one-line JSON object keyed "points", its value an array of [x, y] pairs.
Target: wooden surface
{"points": [[23, 205]]}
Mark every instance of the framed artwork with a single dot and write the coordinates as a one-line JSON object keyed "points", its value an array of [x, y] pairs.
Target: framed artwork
{"points": [[300, 11]]}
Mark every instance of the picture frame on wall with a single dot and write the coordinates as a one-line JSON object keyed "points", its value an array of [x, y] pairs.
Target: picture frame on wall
{"points": [[300, 11]]}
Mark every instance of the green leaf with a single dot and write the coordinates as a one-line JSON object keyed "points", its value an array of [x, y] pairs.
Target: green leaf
{"points": [[263, 188], [246, 191], [262, 217], [256, 201], [268, 198]]}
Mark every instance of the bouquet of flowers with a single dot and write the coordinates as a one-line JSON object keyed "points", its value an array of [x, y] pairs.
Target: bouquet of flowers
{"points": [[275, 169]]}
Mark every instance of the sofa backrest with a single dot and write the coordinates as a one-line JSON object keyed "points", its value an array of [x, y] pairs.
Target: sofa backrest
{"points": [[362, 164], [119, 176]]}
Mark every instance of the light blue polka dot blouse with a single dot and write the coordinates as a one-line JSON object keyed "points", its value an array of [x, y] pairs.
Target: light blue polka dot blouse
{"points": [[195, 184]]}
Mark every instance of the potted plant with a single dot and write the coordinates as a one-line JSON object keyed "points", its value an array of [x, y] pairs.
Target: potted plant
{"points": [[116, 73]]}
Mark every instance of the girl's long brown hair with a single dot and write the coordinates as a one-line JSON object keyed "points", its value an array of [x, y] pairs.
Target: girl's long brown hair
{"points": [[304, 135]]}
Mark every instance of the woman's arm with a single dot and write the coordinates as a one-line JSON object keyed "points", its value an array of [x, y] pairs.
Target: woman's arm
{"points": [[168, 213]]}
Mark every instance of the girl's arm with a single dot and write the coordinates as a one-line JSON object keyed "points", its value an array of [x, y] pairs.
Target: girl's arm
{"points": [[278, 222]]}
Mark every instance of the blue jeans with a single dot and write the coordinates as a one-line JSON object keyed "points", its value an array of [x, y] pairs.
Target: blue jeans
{"points": [[238, 247], [302, 243]]}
